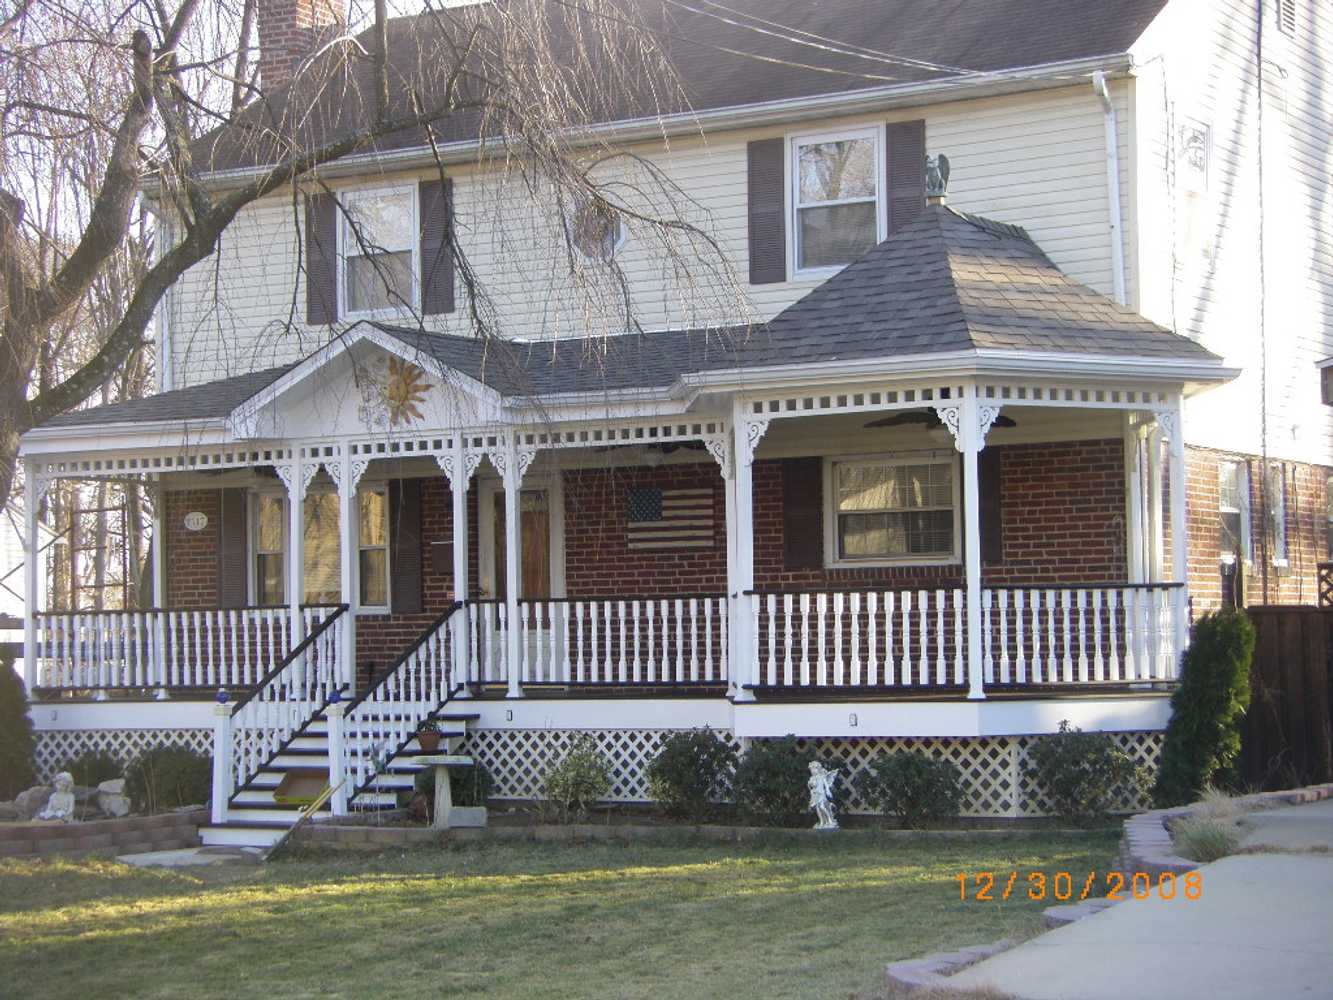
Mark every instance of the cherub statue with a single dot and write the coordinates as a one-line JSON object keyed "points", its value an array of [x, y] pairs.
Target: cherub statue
{"points": [[821, 795], [61, 803]]}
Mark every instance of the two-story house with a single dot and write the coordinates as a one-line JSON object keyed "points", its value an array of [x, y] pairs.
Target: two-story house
{"points": [[940, 458]]}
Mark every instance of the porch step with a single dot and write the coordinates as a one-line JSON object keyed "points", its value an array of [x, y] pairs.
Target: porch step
{"points": [[248, 834]]}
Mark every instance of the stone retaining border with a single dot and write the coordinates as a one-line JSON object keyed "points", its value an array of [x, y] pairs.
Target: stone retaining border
{"points": [[342, 836], [103, 838], [1146, 845]]}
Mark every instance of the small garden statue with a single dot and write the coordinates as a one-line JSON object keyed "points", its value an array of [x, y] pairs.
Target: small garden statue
{"points": [[61, 803], [821, 795]]}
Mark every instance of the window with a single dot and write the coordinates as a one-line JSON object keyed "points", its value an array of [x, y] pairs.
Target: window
{"points": [[1328, 516], [1276, 510], [323, 549], [378, 233], [270, 549], [1233, 506], [836, 182], [887, 510], [373, 543]]}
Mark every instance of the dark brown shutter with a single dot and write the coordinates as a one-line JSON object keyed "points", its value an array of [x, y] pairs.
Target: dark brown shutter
{"points": [[768, 213], [802, 513], [989, 503], [405, 546], [436, 207], [321, 259], [233, 549], [906, 173]]}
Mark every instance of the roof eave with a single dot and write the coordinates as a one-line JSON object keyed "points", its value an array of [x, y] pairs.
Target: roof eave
{"points": [[1042, 76]]}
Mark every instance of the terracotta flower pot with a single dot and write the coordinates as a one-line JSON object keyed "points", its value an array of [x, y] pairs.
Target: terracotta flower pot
{"points": [[429, 740]]}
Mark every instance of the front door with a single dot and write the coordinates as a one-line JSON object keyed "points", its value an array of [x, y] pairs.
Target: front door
{"points": [[540, 569]]}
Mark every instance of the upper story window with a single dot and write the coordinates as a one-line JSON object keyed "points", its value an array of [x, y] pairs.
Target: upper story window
{"points": [[835, 198], [889, 510], [1233, 507], [596, 230], [379, 246]]}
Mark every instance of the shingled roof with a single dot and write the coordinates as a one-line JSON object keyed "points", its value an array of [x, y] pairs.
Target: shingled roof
{"points": [[717, 62], [948, 282]]}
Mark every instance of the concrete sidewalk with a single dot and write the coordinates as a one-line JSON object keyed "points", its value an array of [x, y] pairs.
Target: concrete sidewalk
{"points": [[1263, 928]]}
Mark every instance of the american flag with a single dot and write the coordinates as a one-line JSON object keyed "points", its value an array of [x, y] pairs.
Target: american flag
{"points": [[669, 519]]}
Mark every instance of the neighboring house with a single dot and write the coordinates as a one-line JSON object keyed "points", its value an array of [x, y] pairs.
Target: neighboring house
{"points": [[960, 476]]}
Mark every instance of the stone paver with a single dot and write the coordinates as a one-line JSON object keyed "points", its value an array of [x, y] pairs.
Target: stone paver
{"points": [[191, 857], [1293, 828], [1261, 929]]}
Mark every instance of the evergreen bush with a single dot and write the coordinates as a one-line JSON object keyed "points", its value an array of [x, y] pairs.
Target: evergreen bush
{"points": [[1203, 737], [16, 739], [578, 780], [688, 770], [92, 767], [1083, 774], [771, 781], [913, 787], [168, 778]]}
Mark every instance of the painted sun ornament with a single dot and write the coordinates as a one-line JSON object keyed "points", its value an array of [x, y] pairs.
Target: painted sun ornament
{"points": [[405, 388]]}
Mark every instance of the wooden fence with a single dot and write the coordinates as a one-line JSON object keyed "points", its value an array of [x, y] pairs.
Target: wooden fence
{"points": [[1287, 740]]}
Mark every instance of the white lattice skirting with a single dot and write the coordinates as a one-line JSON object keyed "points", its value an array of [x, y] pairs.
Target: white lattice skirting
{"points": [[56, 746], [992, 767]]}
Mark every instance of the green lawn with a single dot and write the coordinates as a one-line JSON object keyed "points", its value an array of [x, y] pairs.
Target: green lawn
{"points": [[517, 920]]}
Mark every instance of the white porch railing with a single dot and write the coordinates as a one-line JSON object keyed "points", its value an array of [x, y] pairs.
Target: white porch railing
{"points": [[286, 697], [1078, 635], [384, 719], [165, 647], [624, 640]]}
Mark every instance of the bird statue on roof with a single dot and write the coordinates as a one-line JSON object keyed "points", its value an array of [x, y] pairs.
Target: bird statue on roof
{"points": [[937, 176]]}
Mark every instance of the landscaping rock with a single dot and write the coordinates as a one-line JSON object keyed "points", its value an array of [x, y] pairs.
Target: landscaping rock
{"points": [[9, 812], [116, 786], [113, 803], [32, 801]]}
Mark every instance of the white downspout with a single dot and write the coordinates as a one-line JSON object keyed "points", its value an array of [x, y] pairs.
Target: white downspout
{"points": [[1112, 185]]}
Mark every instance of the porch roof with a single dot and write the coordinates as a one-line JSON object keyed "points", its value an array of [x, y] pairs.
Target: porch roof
{"points": [[949, 283]]}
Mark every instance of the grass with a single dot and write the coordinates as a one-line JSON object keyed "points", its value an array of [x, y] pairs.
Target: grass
{"points": [[519, 920]]}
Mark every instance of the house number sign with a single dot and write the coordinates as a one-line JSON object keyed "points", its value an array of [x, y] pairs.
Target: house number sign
{"points": [[196, 520]]}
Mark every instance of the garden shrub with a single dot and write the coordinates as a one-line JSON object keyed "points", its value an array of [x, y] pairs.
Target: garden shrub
{"points": [[913, 787], [1083, 774], [92, 767], [168, 778], [771, 781], [578, 780], [1204, 838], [1203, 737], [16, 740], [688, 769]]}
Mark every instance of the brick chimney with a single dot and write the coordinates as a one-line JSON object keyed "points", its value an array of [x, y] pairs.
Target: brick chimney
{"points": [[289, 30]]}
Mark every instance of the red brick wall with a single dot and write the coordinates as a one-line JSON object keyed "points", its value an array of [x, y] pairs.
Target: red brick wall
{"points": [[1306, 520], [192, 556]]}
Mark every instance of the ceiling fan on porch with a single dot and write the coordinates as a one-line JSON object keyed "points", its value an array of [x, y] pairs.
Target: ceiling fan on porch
{"points": [[926, 418]]}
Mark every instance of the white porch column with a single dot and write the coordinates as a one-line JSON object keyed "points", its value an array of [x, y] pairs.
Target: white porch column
{"points": [[32, 576], [747, 431], [721, 450], [347, 473], [337, 757], [458, 469], [1133, 500], [1156, 534], [296, 477], [970, 420], [1174, 425], [512, 462]]}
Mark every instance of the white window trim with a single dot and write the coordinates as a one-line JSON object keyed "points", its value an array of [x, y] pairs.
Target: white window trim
{"points": [[373, 609], [1246, 534], [794, 141], [252, 543], [392, 312], [832, 560]]}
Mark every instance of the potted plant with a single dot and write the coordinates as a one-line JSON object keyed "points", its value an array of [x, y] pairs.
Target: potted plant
{"points": [[428, 736]]}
